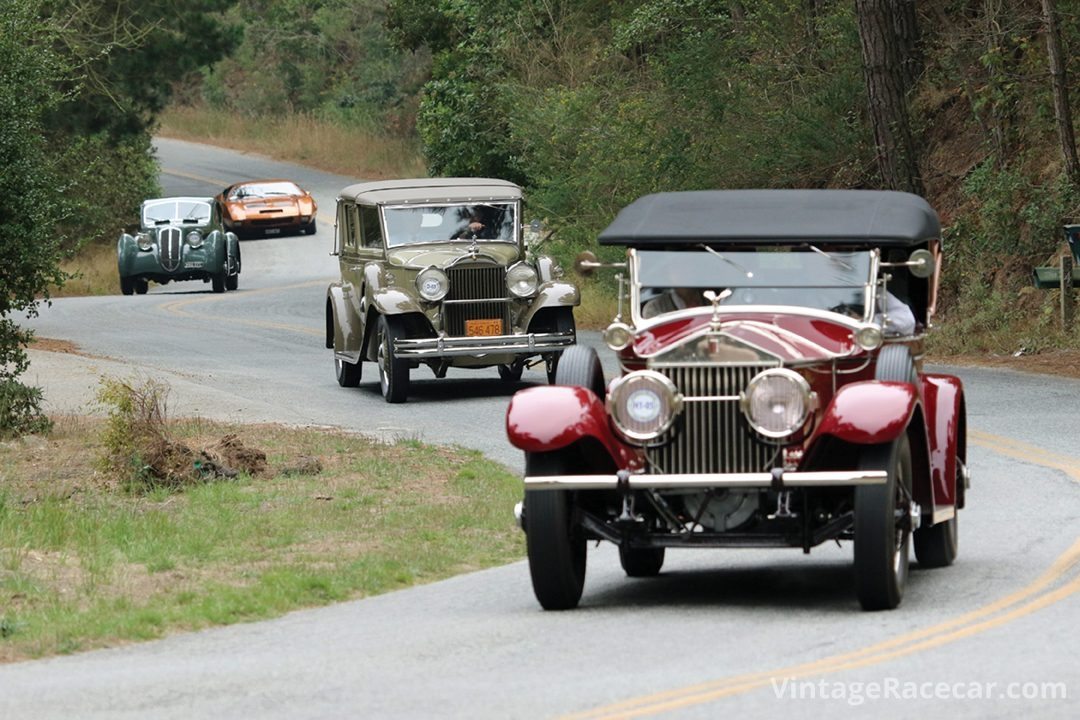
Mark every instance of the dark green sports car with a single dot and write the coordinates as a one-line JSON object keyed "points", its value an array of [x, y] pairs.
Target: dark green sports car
{"points": [[179, 238]]}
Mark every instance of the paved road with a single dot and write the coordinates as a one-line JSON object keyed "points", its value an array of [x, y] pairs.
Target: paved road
{"points": [[750, 633]]}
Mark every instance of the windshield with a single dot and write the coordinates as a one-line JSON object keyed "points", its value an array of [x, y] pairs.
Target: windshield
{"points": [[166, 211], [268, 189], [406, 225], [667, 281]]}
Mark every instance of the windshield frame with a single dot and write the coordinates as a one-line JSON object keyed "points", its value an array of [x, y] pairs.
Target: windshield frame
{"points": [[516, 229], [870, 290], [175, 218]]}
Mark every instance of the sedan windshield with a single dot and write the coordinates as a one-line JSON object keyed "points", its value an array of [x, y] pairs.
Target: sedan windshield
{"points": [[669, 281], [406, 225], [267, 189], [178, 211]]}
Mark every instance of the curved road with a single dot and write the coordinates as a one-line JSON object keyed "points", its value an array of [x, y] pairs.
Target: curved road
{"points": [[750, 633]]}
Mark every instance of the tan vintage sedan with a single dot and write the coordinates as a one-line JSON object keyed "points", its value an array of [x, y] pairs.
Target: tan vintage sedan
{"points": [[268, 207]]}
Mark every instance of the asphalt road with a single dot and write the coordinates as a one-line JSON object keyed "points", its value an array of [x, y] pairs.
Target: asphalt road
{"points": [[748, 633]]}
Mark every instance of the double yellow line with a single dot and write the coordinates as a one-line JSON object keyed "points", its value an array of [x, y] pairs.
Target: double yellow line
{"points": [[1053, 585]]}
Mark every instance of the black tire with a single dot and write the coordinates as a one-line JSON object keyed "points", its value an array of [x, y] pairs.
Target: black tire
{"points": [[512, 372], [563, 322], [579, 366], [936, 546], [310, 227], [393, 371], [127, 285], [218, 282], [232, 282], [894, 364], [555, 542], [882, 528], [141, 286], [641, 562], [348, 374]]}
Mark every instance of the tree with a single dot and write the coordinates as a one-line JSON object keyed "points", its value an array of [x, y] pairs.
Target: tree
{"points": [[886, 63], [1060, 86]]}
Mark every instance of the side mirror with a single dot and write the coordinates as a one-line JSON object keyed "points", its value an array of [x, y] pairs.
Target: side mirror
{"points": [[586, 263], [921, 263]]}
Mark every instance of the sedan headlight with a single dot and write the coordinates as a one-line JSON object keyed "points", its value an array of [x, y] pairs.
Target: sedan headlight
{"points": [[194, 239], [777, 402], [432, 284], [144, 241], [522, 280], [643, 405]]}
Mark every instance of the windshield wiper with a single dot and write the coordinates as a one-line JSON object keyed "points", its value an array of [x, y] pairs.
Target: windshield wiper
{"points": [[729, 261], [842, 263]]}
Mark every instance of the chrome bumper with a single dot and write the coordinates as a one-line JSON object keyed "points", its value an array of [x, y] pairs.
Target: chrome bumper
{"points": [[531, 343], [758, 480]]}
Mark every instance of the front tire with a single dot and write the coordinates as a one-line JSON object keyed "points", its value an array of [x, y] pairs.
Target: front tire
{"points": [[232, 282], [512, 372], [218, 282], [580, 366], [348, 374], [936, 546], [555, 541], [127, 285], [883, 526], [393, 372]]}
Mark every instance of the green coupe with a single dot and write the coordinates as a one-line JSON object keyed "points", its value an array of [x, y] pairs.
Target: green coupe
{"points": [[179, 238]]}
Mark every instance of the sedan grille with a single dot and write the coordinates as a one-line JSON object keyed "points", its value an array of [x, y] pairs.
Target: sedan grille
{"points": [[170, 248], [712, 435], [477, 292]]}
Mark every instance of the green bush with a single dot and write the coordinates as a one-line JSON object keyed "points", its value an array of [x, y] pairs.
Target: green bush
{"points": [[20, 410]]}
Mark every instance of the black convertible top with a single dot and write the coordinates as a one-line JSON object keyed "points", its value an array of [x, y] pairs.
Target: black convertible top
{"points": [[881, 218]]}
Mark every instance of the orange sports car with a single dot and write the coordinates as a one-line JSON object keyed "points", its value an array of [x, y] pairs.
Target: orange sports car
{"points": [[267, 207]]}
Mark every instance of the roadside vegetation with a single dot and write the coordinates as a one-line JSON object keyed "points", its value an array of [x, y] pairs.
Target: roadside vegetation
{"points": [[96, 549]]}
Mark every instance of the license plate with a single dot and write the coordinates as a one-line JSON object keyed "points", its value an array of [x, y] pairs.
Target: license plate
{"points": [[193, 264], [273, 231], [481, 328]]}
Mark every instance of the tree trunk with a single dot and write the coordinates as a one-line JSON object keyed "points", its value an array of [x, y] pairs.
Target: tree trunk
{"points": [[909, 41], [1060, 87], [887, 90]]}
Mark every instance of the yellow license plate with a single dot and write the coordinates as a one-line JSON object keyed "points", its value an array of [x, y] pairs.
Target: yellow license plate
{"points": [[480, 328]]}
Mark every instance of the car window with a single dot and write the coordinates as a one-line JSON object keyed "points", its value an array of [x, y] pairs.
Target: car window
{"points": [[406, 225], [675, 280], [260, 190], [369, 223], [183, 211]]}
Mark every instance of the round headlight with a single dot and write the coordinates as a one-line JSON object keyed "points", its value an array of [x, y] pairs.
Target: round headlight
{"points": [[194, 239], [777, 402], [643, 405], [869, 337], [618, 335], [432, 284], [144, 241], [521, 280]]}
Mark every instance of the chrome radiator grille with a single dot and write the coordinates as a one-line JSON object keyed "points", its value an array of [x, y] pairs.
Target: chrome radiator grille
{"points": [[170, 247], [712, 436], [477, 292]]}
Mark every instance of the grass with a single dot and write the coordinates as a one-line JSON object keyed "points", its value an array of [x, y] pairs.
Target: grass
{"points": [[94, 270], [85, 564], [301, 139]]}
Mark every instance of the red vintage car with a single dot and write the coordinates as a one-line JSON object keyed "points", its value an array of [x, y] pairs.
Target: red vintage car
{"points": [[771, 394], [268, 207]]}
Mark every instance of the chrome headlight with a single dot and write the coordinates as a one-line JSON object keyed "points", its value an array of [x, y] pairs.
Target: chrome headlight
{"points": [[522, 280], [643, 405], [144, 241], [432, 284], [618, 335], [869, 337], [777, 402], [194, 239]]}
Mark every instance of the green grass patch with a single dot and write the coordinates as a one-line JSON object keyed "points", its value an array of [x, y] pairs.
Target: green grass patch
{"points": [[88, 562]]}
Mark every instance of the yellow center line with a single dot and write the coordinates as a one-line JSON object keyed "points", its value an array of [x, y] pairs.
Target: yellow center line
{"points": [[179, 308], [960, 627], [196, 178]]}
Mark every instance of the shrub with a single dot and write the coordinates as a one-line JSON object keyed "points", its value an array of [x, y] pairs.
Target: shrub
{"points": [[20, 410]]}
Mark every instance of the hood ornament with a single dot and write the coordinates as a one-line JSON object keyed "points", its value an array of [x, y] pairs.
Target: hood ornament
{"points": [[716, 298]]}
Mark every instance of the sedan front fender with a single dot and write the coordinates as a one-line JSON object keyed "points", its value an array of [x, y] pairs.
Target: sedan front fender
{"points": [[870, 412], [544, 419]]}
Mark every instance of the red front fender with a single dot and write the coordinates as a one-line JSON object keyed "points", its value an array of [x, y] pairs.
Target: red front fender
{"points": [[869, 413], [543, 419]]}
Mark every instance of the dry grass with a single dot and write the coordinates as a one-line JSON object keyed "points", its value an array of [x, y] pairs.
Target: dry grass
{"points": [[300, 139], [95, 272]]}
